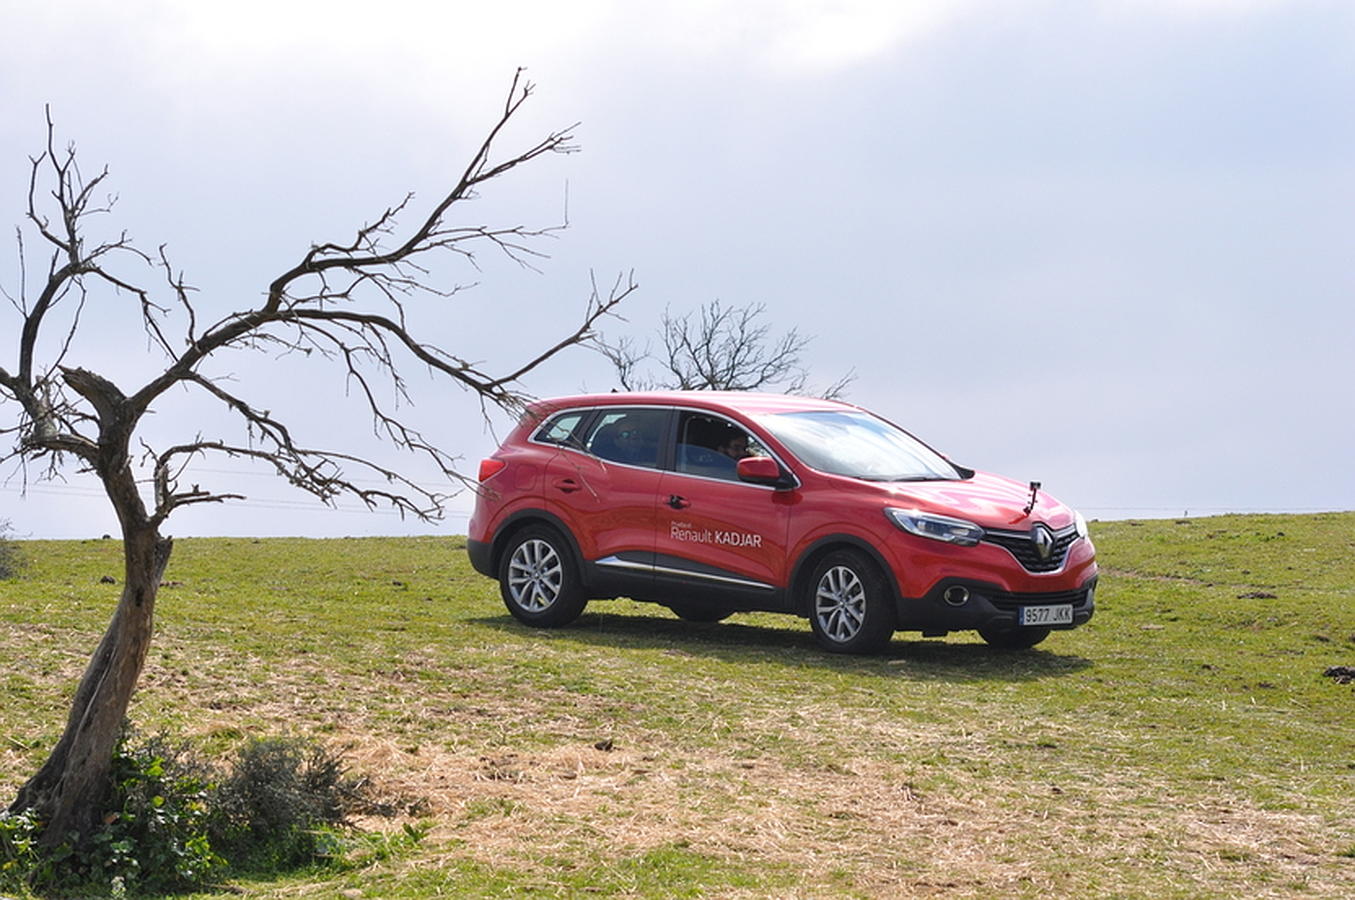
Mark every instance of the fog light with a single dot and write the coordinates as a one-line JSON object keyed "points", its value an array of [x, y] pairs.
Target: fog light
{"points": [[956, 595]]}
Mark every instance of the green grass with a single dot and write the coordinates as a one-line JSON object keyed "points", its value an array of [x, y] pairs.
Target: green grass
{"points": [[1184, 744]]}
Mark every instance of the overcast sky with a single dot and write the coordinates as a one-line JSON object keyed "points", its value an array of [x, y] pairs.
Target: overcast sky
{"points": [[1104, 244]]}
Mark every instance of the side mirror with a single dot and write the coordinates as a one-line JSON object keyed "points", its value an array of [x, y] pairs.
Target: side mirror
{"points": [[761, 470]]}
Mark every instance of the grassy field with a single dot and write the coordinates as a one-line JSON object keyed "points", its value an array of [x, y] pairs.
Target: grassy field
{"points": [[1185, 744]]}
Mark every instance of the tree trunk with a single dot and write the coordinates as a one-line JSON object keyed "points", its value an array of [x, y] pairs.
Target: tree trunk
{"points": [[68, 791]]}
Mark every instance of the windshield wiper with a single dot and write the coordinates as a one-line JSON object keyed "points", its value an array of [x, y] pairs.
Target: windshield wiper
{"points": [[886, 479]]}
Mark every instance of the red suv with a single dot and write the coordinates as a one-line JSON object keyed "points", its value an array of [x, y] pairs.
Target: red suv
{"points": [[713, 503]]}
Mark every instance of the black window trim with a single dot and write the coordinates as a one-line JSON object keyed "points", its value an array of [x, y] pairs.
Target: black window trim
{"points": [[663, 461], [667, 457]]}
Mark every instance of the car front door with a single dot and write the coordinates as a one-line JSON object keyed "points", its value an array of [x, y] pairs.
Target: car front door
{"points": [[719, 540]]}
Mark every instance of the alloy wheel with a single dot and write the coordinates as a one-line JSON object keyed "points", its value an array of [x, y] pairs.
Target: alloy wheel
{"points": [[840, 604], [535, 576]]}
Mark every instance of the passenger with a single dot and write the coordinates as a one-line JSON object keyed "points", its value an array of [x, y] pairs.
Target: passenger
{"points": [[633, 445]]}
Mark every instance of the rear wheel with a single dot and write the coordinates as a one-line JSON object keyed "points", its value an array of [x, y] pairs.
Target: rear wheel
{"points": [[1013, 637], [850, 607], [538, 580]]}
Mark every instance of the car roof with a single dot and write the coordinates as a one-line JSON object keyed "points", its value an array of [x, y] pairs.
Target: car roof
{"points": [[746, 402]]}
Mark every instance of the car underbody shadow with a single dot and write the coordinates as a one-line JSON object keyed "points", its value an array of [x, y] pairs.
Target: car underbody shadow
{"points": [[907, 657]]}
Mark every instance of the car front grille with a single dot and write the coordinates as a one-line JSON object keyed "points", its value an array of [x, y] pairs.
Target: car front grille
{"points": [[1021, 544], [1009, 601]]}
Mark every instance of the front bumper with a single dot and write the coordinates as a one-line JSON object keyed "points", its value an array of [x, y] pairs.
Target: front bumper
{"points": [[986, 605]]}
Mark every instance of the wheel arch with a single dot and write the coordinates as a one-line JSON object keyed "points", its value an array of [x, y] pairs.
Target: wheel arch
{"points": [[809, 558], [525, 518]]}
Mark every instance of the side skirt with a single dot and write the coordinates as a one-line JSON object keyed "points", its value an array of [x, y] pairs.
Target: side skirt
{"points": [[648, 577]]}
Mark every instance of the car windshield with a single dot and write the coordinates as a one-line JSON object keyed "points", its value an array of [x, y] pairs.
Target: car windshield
{"points": [[858, 445]]}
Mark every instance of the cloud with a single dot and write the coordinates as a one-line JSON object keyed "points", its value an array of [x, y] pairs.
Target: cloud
{"points": [[1199, 8], [807, 35], [249, 38]]}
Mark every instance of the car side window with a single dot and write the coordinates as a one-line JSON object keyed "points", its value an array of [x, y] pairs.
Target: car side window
{"points": [[629, 436], [560, 430], [712, 446]]}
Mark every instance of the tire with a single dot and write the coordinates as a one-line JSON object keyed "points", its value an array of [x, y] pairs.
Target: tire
{"points": [[1013, 637], [850, 605], [700, 612], [538, 579]]}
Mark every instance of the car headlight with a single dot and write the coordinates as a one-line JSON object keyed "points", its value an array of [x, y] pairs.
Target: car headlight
{"points": [[1081, 523], [938, 528]]}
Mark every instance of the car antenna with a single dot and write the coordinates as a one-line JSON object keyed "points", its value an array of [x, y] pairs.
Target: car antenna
{"points": [[1034, 489]]}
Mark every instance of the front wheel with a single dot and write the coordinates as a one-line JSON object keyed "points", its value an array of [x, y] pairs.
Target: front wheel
{"points": [[1013, 637], [538, 580], [850, 606]]}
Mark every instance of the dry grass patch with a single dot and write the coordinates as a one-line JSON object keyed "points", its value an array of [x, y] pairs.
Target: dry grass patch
{"points": [[863, 826]]}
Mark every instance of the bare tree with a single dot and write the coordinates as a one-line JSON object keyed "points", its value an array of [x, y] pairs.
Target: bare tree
{"points": [[344, 302], [719, 348]]}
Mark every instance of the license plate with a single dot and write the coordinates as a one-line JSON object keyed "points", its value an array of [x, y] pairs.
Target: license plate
{"points": [[1060, 614]]}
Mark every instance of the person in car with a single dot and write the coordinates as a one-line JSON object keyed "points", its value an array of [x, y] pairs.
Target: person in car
{"points": [[625, 441], [734, 444], [630, 440]]}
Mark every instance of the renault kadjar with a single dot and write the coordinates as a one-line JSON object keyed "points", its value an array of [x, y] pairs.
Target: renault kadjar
{"points": [[714, 503]]}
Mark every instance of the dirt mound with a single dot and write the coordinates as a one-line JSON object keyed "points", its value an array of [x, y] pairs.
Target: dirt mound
{"points": [[1342, 674]]}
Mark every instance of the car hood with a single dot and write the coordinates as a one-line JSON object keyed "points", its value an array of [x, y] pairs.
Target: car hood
{"points": [[989, 501]]}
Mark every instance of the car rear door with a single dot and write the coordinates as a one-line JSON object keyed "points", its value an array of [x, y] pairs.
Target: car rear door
{"points": [[604, 487]]}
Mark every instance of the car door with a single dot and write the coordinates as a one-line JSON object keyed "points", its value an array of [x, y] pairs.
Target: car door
{"points": [[603, 485], [719, 539]]}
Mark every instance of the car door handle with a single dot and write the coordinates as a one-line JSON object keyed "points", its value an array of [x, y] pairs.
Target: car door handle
{"points": [[567, 485], [678, 502]]}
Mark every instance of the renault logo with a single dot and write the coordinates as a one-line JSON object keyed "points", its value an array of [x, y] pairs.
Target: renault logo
{"points": [[1043, 539]]}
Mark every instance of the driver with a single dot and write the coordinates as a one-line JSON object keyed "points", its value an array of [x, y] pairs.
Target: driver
{"points": [[734, 444]]}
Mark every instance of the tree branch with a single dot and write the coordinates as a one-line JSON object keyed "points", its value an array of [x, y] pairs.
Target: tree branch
{"points": [[344, 301]]}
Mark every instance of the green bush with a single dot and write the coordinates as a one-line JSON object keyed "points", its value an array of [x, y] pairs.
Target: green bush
{"points": [[11, 557], [156, 838], [174, 821], [18, 849], [283, 805]]}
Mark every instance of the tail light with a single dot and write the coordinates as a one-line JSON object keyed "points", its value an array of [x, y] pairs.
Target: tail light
{"points": [[490, 467]]}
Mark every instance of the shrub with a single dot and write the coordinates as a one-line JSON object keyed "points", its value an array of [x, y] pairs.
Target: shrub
{"points": [[283, 804], [155, 834], [175, 821], [156, 838], [18, 853], [11, 557]]}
